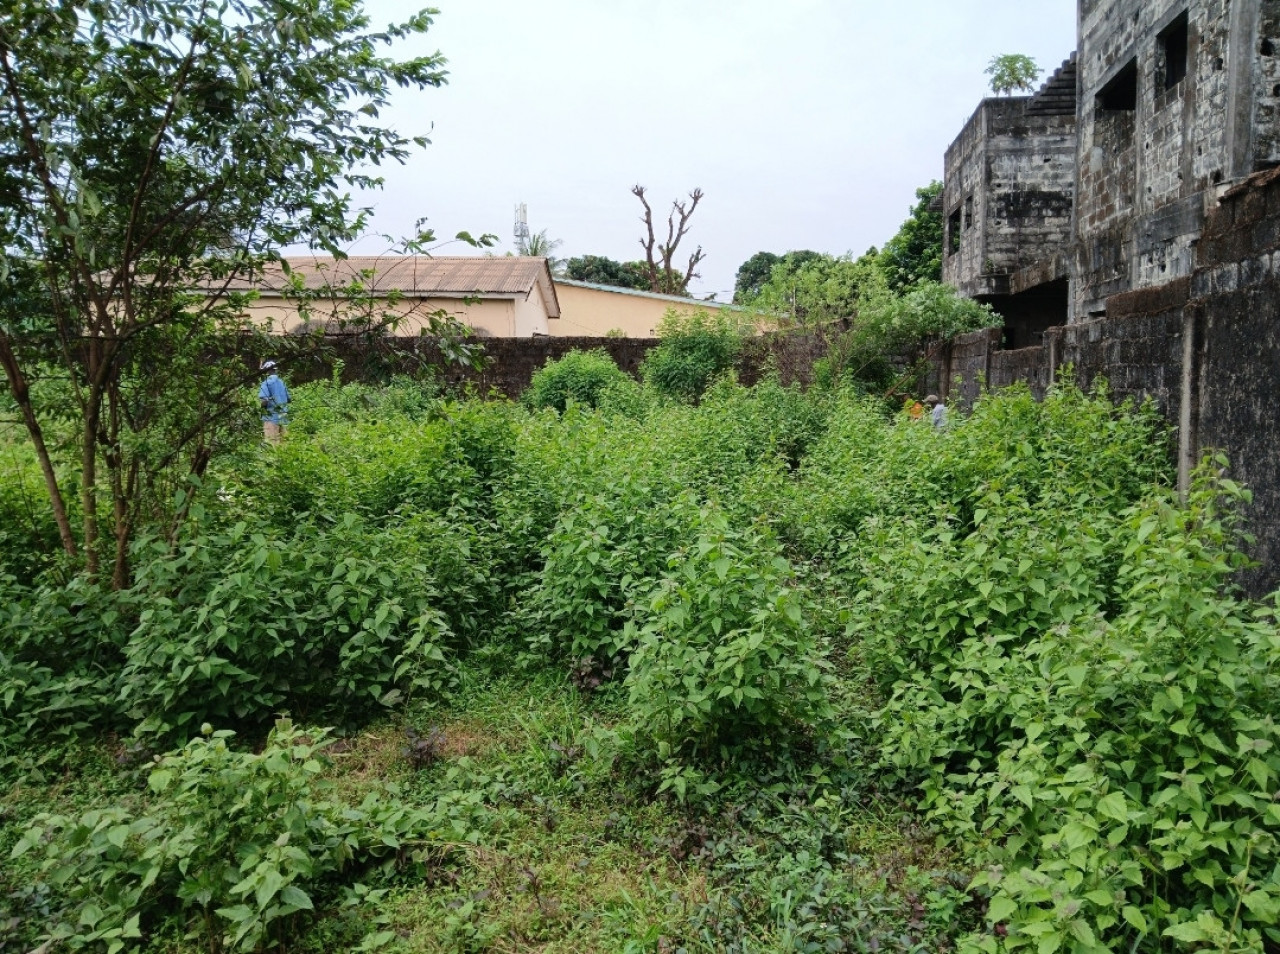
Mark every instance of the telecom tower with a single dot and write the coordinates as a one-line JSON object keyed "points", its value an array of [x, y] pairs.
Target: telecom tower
{"points": [[522, 225]]}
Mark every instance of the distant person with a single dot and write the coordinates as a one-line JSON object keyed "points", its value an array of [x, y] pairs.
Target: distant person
{"points": [[937, 410], [913, 409], [274, 398]]}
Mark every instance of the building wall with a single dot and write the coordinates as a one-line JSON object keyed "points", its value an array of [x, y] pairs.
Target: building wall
{"points": [[488, 318], [594, 312], [1204, 348], [1016, 172], [964, 249], [1147, 175], [530, 315]]}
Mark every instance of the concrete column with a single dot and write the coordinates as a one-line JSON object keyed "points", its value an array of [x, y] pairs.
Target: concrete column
{"points": [[1189, 407]]}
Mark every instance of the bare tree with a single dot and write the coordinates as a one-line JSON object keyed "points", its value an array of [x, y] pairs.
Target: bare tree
{"points": [[664, 276]]}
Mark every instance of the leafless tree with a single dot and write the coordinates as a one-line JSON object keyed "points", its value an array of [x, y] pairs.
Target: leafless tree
{"points": [[664, 276]]}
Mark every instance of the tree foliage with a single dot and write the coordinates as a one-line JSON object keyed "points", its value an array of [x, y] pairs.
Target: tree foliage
{"points": [[756, 271], [808, 288], [601, 270], [155, 153], [914, 254], [1013, 72], [541, 245]]}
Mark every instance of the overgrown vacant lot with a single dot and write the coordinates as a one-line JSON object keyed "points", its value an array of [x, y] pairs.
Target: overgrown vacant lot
{"points": [[776, 672]]}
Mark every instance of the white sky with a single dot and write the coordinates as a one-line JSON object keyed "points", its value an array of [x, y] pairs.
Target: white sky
{"points": [[807, 123]]}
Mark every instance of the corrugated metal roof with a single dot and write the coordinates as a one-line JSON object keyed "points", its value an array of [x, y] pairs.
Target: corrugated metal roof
{"points": [[617, 290], [417, 276]]}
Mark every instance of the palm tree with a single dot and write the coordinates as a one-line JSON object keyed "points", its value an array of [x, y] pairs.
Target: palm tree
{"points": [[541, 245]]}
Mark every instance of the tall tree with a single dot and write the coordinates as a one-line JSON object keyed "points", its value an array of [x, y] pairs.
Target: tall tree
{"points": [[752, 274], [541, 245], [154, 151], [665, 276]]}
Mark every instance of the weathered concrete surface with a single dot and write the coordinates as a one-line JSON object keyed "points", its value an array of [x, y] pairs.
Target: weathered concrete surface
{"points": [[1236, 309], [1205, 94], [1007, 193]]}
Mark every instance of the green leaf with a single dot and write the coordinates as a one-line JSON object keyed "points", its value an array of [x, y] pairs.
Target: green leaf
{"points": [[272, 881], [1188, 931], [1001, 909], [296, 898], [1134, 917], [1114, 806]]}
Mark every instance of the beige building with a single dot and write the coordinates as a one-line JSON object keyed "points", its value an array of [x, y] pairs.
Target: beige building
{"points": [[509, 297], [497, 297], [593, 311]]}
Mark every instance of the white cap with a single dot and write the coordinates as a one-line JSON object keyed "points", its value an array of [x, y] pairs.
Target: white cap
{"points": [[266, 364]]}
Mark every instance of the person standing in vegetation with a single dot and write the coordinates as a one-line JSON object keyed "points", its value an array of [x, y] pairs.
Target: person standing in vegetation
{"points": [[274, 398], [937, 410]]}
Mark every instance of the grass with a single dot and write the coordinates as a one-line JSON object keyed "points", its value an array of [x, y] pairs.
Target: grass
{"points": [[578, 855]]}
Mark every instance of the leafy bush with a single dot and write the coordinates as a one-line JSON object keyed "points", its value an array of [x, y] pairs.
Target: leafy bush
{"points": [[725, 651], [581, 376], [694, 350], [237, 843], [1101, 738], [60, 652], [28, 535], [235, 626], [602, 560]]}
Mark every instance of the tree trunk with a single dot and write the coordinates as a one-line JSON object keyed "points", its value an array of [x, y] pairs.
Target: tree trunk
{"points": [[89, 479], [21, 393]]}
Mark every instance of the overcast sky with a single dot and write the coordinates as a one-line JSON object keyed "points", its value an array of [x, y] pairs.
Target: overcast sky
{"points": [[807, 123]]}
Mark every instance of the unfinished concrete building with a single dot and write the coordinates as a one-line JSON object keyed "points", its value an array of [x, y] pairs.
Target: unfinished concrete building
{"points": [[1007, 194], [1178, 99], [1100, 183]]}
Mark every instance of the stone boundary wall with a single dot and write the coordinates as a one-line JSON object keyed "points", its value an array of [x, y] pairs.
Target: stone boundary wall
{"points": [[1205, 349], [512, 361]]}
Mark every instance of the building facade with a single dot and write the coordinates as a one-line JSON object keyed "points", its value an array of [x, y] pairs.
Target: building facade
{"points": [[1174, 101]]}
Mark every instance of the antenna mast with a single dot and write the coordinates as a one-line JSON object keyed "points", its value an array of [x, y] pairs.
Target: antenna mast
{"points": [[522, 225]]}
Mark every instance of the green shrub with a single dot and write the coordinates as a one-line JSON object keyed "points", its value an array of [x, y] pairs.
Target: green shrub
{"points": [[602, 560], [235, 844], [725, 652], [695, 349], [61, 647], [235, 626], [29, 538], [1107, 749], [581, 376]]}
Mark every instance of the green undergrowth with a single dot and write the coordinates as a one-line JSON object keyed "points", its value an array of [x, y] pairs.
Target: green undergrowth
{"points": [[737, 669]]}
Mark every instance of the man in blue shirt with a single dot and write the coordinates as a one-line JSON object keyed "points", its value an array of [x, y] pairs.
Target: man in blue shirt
{"points": [[274, 398]]}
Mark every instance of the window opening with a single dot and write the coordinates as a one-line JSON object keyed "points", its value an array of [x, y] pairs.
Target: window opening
{"points": [[1174, 42], [953, 232], [1121, 94]]}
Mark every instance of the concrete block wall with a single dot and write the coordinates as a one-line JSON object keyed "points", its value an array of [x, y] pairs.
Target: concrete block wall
{"points": [[512, 362], [1147, 175]]}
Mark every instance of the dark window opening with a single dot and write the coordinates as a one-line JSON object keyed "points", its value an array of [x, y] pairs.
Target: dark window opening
{"points": [[953, 232], [968, 213], [1174, 42], [1121, 94]]}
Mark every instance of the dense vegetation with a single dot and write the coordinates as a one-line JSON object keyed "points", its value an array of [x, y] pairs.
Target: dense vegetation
{"points": [[772, 671]]}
